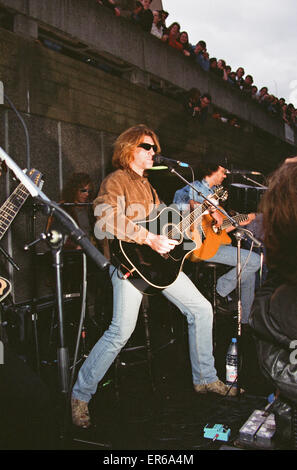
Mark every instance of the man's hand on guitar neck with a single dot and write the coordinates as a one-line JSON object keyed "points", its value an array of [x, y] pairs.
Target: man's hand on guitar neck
{"points": [[250, 218], [160, 243]]}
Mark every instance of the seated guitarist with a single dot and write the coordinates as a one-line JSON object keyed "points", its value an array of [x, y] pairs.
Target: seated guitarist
{"points": [[120, 192], [210, 176]]}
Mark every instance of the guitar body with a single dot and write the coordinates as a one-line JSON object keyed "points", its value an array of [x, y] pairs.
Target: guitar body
{"points": [[146, 268], [5, 288], [214, 238], [212, 241]]}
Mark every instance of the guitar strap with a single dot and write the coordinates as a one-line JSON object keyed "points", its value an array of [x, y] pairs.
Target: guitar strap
{"points": [[124, 270], [113, 247], [153, 193]]}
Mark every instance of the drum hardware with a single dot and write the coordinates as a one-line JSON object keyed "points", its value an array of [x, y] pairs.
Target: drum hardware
{"points": [[245, 198]]}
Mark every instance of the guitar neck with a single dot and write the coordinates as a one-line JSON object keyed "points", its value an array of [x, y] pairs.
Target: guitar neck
{"points": [[192, 217], [238, 218], [197, 213], [187, 221], [10, 208]]}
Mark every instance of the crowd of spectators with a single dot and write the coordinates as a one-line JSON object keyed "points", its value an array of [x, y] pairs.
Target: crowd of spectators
{"points": [[154, 22]]}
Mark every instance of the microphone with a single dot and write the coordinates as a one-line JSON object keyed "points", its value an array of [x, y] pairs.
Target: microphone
{"points": [[243, 172], [250, 234], [160, 159]]}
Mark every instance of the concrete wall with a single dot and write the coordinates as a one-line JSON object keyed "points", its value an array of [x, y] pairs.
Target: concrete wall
{"points": [[73, 113], [98, 28]]}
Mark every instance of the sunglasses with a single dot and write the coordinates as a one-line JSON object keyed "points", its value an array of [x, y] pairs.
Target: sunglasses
{"points": [[148, 146], [85, 190]]}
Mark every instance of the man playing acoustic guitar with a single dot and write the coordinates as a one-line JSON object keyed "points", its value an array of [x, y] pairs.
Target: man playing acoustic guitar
{"points": [[218, 248], [120, 192]]}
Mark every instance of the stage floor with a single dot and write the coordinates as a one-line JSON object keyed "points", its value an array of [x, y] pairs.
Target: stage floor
{"points": [[133, 416], [173, 416]]}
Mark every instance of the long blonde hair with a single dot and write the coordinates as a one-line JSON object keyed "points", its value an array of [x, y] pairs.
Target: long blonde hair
{"points": [[126, 143]]}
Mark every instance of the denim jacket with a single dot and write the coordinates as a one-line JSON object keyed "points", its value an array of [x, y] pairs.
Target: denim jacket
{"points": [[183, 196]]}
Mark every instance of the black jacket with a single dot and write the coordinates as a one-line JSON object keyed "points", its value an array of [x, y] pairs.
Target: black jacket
{"points": [[274, 321]]}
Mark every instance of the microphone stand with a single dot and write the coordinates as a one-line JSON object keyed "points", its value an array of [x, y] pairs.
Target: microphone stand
{"points": [[255, 182], [240, 234], [56, 240], [9, 258]]}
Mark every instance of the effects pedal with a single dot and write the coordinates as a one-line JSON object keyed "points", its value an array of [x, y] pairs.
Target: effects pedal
{"points": [[217, 432]]}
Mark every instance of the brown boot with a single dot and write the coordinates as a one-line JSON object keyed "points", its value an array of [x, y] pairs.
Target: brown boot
{"points": [[80, 413], [200, 388], [217, 387]]}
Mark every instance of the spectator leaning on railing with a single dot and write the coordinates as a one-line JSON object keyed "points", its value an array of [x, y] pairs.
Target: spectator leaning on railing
{"points": [[157, 29], [143, 15], [192, 102], [221, 64], [294, 117], [201, 55], [187, 47], [171, 37], [196, 105], [110, 4], [136, 12], [254, 91], [213, 65], [291, 115], [262, 94], [239, 77], [247, 85], [164, 16], [232, 78], [214, 68], [205, 101]]}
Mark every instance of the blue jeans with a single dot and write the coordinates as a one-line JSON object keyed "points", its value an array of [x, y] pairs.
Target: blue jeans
{"points": [[127, 300], [227, 254]]}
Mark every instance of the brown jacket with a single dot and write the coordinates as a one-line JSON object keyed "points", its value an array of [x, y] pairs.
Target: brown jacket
{"points": [[124, 197]]}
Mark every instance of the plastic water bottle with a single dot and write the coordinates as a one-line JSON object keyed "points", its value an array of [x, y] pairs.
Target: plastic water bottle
{"points": [[232, 364]]}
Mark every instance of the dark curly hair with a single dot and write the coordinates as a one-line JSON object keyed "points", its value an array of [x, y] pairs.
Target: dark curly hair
{"points": [[279, 208], [209, 165]]}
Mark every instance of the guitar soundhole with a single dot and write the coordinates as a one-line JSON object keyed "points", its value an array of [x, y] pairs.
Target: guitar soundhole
{"points": [[172, 232]]}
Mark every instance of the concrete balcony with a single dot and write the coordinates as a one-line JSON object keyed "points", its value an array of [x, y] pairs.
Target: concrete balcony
{"points": [[94, 31]]}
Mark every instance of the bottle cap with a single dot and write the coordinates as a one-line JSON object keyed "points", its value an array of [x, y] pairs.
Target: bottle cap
{"points": [[234, 340]]}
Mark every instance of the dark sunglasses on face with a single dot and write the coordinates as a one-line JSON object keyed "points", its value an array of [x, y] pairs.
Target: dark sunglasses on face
{"points": [[85, 190], [148, 147]]}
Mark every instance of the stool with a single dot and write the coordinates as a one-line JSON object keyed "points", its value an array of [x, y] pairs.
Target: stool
{"points": [[212, 267], [144, 308]]}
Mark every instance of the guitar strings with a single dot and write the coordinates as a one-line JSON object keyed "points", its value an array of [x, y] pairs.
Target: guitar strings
{"points": [[10, 205], [237, 218], [189, 220]]}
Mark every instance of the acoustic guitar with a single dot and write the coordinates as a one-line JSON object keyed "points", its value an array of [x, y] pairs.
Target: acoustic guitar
{"points": [[214, 237], [146, 268], [5, 288]]}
